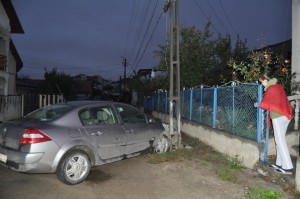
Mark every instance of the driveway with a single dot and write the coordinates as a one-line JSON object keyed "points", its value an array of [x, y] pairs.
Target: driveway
{"points": [[134, 179]]}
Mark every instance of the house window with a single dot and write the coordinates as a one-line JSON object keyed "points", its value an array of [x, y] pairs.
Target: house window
{"points": [[2, 63]]}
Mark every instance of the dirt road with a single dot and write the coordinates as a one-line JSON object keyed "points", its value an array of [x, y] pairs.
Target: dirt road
{"points": [[134, 179]]}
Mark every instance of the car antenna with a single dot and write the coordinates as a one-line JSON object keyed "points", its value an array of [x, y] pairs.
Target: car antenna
{"points": [[64, 99]]}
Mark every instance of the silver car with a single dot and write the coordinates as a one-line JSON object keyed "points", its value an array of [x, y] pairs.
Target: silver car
{"points": [[70, 138]]}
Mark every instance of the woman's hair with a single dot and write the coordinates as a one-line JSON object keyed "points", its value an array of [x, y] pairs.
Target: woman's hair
{"points": [[265, 76]]}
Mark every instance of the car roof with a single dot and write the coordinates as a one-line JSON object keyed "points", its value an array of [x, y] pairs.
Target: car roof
{"points": [[87, 102]]}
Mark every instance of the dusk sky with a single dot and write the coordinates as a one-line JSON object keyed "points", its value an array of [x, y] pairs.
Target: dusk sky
{"points": [[91, 36]]}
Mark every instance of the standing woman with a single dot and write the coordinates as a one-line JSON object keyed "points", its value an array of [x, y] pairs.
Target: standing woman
{"points": [[275, 101]]}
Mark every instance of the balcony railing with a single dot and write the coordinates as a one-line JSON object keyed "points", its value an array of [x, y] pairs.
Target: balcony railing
{"points": [[295, 102], [3, 63]]}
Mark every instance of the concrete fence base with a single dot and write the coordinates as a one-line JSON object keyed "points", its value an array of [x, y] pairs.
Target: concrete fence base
{"points": [[247, 150]]}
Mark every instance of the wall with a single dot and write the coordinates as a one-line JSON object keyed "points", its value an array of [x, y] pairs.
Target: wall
{"points": [[10, 107], [4, 21], [296, 38], [229, 144], [12, 74]]}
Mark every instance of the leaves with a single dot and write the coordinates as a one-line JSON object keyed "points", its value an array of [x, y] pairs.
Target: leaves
{"points": [[261, 61], [203, 58]]}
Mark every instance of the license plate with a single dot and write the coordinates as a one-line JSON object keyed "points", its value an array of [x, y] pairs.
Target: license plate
{"points": [[3, 158]]}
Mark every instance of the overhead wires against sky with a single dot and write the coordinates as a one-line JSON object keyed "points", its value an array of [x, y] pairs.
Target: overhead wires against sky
{"points": [[144, 35], [228, 19], [144, 18], [141, 27], [215, 15]]}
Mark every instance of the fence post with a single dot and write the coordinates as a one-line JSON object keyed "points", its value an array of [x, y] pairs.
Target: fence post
{"points": [[145, 104], [166, 101], [259, 113], [22, 109], [215, 107], [201, 97], [158, 101], [233, 107], [152, 103], [191, 104], [263, 141], [182, 101]]}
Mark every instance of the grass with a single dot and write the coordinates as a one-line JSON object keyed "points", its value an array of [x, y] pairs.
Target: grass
{"points": [[228, 171], [261, 193], [226, 167], [199, 151]]}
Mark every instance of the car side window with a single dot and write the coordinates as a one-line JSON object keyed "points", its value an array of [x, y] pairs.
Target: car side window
{"points": [[130, 115], [101, 115], [86, 117]]}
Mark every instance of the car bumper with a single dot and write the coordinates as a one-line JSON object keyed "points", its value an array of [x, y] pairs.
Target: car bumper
{"points": [[29, 162]]}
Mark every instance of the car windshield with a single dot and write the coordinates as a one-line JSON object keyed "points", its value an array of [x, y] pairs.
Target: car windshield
{"points": [[49, 113]]}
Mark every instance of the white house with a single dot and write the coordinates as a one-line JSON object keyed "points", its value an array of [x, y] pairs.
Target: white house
{"points": [[10, 61]]}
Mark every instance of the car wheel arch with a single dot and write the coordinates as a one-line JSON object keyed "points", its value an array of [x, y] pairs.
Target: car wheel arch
{"points": [[65, 151]]}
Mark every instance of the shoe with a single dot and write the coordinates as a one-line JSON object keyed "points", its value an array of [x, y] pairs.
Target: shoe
{"points": [[274, 166], [283, 171]]}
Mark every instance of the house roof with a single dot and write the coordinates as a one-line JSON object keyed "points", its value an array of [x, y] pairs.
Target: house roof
{"points": [[15, 24], [144, 72], [283, 48], [14, 52]]}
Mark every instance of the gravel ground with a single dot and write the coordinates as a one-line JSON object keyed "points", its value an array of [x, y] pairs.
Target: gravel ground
{"points": [[135, 178]]}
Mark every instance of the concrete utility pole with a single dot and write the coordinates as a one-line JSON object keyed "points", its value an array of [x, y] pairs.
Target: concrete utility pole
{"points": [[174, 91], [124, 64], [122, 93], [296, 66]]}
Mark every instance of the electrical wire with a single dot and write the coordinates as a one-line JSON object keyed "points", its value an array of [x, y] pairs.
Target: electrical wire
{"points": [[214, 12], [140, 27], [208, 18], [227, 17], [144, 37]]}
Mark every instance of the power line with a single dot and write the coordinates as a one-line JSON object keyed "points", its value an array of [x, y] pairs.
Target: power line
{"points": [[227, 17], [214, 12], [144, 37], [208, 18], [140, 26]]}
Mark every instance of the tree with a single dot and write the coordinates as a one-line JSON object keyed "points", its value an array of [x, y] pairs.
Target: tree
{"points": [[261, 61], [203, 59], [55, 81]]}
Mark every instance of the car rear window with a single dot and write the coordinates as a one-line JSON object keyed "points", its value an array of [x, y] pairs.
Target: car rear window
{"points": [[49, 113]]}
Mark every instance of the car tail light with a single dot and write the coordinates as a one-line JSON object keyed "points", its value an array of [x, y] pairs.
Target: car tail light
{"points": [[32, 136]]}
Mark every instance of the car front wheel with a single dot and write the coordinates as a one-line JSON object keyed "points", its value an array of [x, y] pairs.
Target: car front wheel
{"points": [[74, 168], [162, 144]]}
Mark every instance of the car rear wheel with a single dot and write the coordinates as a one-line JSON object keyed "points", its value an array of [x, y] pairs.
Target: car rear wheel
{"points": [[74, 168], [162, 144]]}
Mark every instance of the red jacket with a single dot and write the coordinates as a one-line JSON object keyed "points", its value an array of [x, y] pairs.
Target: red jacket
{"points": [[275, 100]]}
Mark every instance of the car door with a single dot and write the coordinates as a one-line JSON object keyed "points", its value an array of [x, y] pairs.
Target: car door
{"points": [[106, 134], [136, 127]]}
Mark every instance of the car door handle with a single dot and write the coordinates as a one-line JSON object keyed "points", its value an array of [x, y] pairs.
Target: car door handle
{"points": [[130, 131], [97, 133]]}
